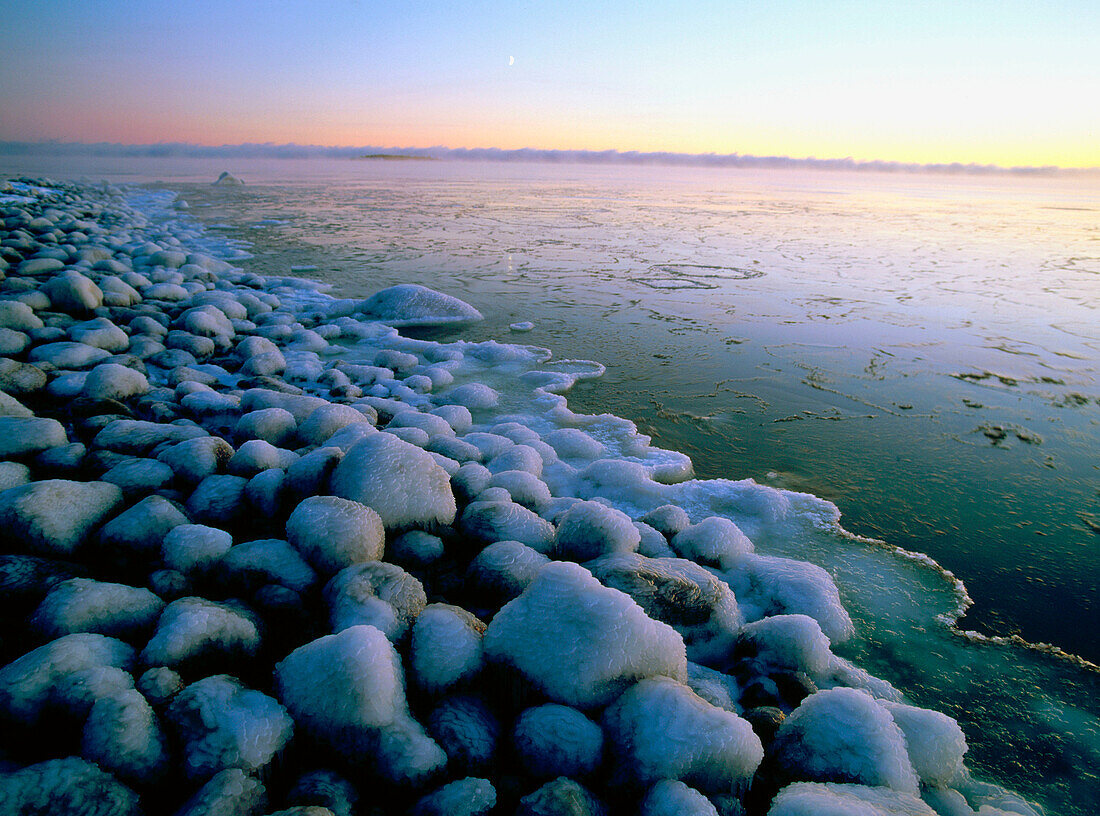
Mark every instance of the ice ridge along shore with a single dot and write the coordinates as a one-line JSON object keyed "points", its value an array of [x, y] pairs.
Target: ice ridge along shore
{"points": [[262, 553]]}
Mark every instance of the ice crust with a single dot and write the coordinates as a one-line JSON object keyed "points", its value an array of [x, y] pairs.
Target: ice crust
{"points": [[220, 411]]}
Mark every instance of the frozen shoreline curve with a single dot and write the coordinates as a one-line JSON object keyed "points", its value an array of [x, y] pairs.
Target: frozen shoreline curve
{"points": [[263, 550]]}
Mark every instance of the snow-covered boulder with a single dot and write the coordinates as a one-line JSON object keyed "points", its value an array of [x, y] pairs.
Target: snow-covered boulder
{"points": [[84, 605], [332, 533], [558, 796], [193, 627], [194, 547], [844, 735], [193, 460], [222, 724], [555, 740], [471, 796], [826, 799], [399, 481], [671, 797], [142, 527], [266, 561], [376, 593], [468, 732], [505, 568], [505, 520], [580, 642], [231, 792], [680, 593], [446, 647], [21, 436], [661, 729], [111, 381], [55, 516], [66, 786], [768, 585], [410, 304], [29, 682], [122, 736]]}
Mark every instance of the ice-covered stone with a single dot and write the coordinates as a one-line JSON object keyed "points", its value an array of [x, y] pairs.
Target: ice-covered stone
{"points": [[84, 605], [23, 436], [661, 729], [192, 627], [580, 642], [332, 533], [793, 642], [399, 481], [231, 792], [222, 724], [555, 740], [445, 648], [267, 561], [680, 593], [29, 682], [55, 516], [560, 796], [194, 547], [66, 786], [142, 527], [111, 381], [768, 585], [505, 568], [409, 304], [507, 521], [471, 796], [825, 799], [935, 742], [218, 499], [714, 542], [122, 736], [256, 455], [100, 333], [844, 735], [139, 437], [138, 477], [65, 354], [274, 425], [589, 530], [73, 292], [671, 797], [376, 593], [193, 460], [18, 316]]}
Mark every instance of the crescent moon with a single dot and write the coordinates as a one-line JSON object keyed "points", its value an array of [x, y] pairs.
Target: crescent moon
{"points": [[511, 60]]}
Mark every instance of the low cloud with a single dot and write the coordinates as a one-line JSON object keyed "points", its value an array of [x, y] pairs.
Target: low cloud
{"points": [[296, 151]]}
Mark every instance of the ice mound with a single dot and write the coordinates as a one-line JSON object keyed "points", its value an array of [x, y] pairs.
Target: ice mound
{"points": [[446, 647], [831, 799], [844, 735], [55, 516], [222, 724], [227, 179], [376, 593], [190, 628], [66, 786], [84, 605], [332, 533], [410, 304], [661, 729], [399, 481], [580, 642], [768, 585], [680, 593], [122, 736], [589, 529], [671, 797], [38, 678], [555, 740]]}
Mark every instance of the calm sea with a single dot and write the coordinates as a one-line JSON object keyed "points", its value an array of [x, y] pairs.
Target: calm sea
{"points": [[922, 350]]}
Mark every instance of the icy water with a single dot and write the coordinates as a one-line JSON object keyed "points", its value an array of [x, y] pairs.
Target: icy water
{"points": [[922, 351]]}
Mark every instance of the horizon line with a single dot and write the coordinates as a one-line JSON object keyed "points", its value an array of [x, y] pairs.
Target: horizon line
{"points": [[292, 150]]}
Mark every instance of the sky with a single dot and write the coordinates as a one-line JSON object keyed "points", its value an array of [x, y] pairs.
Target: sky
{"points": [[1010, 83]]}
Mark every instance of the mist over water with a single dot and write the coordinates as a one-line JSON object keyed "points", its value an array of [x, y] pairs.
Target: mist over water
{"points": [[923, 352]]}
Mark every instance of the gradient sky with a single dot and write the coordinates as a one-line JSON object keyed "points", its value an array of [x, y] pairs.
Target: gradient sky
{"points": [[1007, 82]]}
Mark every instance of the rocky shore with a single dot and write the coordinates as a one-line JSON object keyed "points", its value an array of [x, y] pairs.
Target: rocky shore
{"points": [[263, 553]]}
